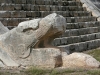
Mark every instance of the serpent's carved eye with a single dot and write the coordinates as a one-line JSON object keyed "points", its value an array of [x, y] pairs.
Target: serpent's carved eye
{"points": [[28, 31]]}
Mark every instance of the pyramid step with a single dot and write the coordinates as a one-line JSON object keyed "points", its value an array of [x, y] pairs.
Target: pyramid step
{"points": [[67, 13], [68, 0], [58, 2], [12, 14], [82, 25], [38, 2], [14, 1], [80, 19], [76, 13], [75, 39], [12, 21], [81, 31], [82, 46], [29, 7], [22, 14]]}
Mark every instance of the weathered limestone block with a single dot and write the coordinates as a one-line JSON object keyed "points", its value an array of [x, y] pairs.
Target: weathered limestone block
{"points": [[18, 1], [98, 42], [18, 7], [22, 14], [46, 57], [15, 14], [36, 8], [48, 8], [35, 14], [24, 1], [36, 33], [97, 36], [38, 2], [43, 8], [77, 60], [74, 32], [66, 34], [28, 14], [91, 44], [69, 40], [76, 39], [26, 7], [3, 29], [79, 47], [5, 14], [56, 42], [63, 41], [83, 31], [32, 8], [92, 36], [7, 7], [84, 38], [30, 1]]}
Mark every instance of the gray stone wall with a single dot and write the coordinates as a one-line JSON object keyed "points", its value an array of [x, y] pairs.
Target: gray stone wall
{"points": [[96, 2]]}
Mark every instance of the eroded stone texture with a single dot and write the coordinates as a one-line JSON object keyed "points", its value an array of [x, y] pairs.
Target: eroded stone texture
{"points": [[17, 42], [46, 57], [54, 25], [3, 29], [77, 60]]}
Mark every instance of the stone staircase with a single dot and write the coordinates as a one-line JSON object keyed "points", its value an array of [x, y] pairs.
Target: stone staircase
{"points": [[82, 30]]}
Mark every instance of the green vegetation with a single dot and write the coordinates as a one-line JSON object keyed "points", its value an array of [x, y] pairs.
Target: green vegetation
{"points": [[58, 71], [37, 71], [95, 53], [94, 72]]}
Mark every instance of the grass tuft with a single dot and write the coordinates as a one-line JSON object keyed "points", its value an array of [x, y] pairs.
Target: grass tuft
{"points": [[95, 53], [94, 72]]}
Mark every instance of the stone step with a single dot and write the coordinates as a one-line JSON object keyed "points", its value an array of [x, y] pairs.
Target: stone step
{"points": [[75, 39], [81, 31], [12, 21], [14, 1], [22, 14], [80, 19], [76, 13], [43, 2], [29, 7], [79, 25], [58, 8], [67, 13], [58, 2], [82, 46]]}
